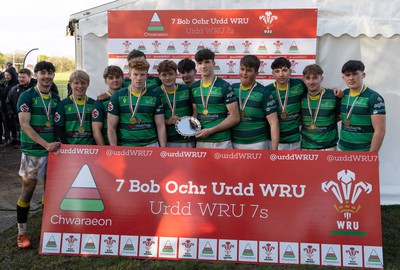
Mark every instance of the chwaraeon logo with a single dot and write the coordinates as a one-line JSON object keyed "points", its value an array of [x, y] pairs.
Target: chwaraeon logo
{"points": [[155, 23], [83, 195], [347, 190]]}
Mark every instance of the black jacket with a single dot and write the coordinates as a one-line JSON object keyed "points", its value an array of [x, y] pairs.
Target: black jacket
{"points": [[8, 85], [13, 95]]}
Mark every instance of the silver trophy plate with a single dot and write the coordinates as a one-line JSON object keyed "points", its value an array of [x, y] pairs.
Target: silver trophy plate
{"points": [[187, 126]]}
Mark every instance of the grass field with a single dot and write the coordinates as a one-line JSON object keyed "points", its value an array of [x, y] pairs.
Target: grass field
{"points": [[61, 80], [12, 258]]}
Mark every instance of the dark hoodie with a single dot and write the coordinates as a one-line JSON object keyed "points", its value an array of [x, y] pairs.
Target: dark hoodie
{"points": [[13, 95], [9, 84]]}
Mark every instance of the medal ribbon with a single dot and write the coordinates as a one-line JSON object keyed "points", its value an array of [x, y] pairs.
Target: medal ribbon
{"points": [[46, 109], [353, 104], [279, 96], [314, 117], [205, 104], [80, 117], [133, 111], [171, 106], [243, 105]]}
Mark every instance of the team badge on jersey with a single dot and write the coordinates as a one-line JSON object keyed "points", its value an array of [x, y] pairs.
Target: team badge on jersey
{"points": [[110, 106], [95, 113], [57, 117], [24, 108]]}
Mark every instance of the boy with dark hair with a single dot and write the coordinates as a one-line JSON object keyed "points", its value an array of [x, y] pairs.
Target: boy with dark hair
{"points": [[319, 112], [36, 107], [176, 100], [137, 111], [151, 81], [113, 77], [187, 69], [135, 54], [214, 104], [289, 93], [363, 112], [259, 124], [73, 118]]}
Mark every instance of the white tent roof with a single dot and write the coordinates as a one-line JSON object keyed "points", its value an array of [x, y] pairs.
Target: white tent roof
{"points": [[357, 17]]}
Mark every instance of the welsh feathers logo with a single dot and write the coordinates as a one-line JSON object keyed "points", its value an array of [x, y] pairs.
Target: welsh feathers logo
{"points": [[83, 194], [268, 19], [127, 44], [347, 190]]}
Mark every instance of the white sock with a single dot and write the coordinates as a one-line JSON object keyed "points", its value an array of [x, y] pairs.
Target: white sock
{"points": [[22, 228]]}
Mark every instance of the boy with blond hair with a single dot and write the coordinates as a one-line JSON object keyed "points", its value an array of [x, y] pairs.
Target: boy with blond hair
{"points": [[137, 111], [73, 118]]}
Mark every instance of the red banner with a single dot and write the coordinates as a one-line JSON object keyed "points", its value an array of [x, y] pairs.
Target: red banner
{"points": [[252, 23], [230, 34], [281, 207]]}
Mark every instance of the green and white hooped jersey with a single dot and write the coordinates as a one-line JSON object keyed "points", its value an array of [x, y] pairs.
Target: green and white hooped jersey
{"points": [[30, 102], [99, 114], [183, 107], [325, 132], [143, 132], [67, 116], [253, 126], [221, 95], [290, 126], [357, 136]]}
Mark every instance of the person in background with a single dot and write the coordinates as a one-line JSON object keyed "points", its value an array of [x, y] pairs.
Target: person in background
{"points": [[36, 107], [113, 77], [137, 112], [73, 117], [319, 112], [362, 110], [214, 104], [176, 100], [25, 83], [259, 125], [187, 70], [10, 129], [2, 89], [10, 65]]}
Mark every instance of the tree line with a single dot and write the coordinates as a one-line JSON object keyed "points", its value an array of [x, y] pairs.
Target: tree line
{"points": [[61, 63]]}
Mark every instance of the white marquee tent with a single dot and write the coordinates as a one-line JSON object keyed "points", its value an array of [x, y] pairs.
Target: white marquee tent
{"points": [[366, 30]]}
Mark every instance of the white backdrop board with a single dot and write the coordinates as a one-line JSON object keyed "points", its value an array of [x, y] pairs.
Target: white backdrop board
{"points": [[346, 30]]}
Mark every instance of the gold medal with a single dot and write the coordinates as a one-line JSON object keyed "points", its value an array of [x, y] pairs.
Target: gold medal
{"points": [[284, 115], [132, 120], [48, 123], [241, 114], [313, 126], [81, 129], [346, 122], [205, 112]]}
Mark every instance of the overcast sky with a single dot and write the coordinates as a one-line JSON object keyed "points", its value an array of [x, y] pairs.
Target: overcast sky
{"points": [[40, 24]]}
